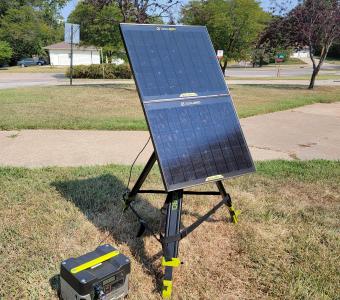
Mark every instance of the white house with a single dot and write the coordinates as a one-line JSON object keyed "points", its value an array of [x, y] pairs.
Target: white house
{"points": [[60, 54], [301, 53]]}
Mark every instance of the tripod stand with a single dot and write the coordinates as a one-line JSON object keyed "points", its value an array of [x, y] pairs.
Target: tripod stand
{"points": [[172, 231]]}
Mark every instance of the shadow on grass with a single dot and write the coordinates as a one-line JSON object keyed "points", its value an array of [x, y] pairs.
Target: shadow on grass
{"points": [[55, 284], [100, 200]]}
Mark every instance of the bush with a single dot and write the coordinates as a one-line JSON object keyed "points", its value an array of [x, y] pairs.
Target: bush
{"points": [[110, 71]]}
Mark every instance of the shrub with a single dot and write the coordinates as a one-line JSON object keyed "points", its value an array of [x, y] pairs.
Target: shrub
{"points": [[110, 71]]}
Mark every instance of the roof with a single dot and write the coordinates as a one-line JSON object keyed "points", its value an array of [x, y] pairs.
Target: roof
{"points": [[65, 46]]}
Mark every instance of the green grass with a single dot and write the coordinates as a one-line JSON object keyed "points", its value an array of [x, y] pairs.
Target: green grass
{"points": [[117, 107], [253, 100], [286, 245]]}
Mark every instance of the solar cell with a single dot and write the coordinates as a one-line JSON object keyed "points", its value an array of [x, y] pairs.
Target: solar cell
{"points": [[193, 124]]}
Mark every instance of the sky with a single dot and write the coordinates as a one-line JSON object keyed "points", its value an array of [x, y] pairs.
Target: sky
{"points": [[72, 4]]}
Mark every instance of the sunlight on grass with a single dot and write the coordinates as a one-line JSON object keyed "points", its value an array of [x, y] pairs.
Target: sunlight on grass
{"points": [[117, 107]]}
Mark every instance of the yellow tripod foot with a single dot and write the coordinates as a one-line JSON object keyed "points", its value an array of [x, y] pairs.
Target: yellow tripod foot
{"points": [[234, 214], [166, 289]]}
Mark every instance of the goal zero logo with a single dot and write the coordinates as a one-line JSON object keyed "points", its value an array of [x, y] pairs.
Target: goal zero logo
{"points": [[166, 28], [187, 103], [174, 205]]}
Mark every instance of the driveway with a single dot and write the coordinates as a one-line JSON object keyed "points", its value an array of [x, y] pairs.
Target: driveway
{"points": [[310, 132]]}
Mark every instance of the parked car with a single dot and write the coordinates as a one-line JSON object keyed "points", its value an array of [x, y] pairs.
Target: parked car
{"points": [[25, 62]]}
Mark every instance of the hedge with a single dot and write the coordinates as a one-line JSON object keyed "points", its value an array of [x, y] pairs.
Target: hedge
{"points": [[110, 71]]}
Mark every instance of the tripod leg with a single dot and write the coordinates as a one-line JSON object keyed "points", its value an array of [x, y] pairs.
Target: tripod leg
{"points": [[170, 250], [233, 213]]}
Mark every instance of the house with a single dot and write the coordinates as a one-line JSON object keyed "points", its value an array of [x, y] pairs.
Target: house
{"points": [[301, 53], [60, 54]]}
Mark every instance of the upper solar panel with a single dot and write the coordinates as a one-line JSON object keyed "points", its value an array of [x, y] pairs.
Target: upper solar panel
{"points": [[173, 61]]}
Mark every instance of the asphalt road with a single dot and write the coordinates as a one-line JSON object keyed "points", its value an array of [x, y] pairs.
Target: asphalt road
{"points": [[13, 80], [309, 132]]}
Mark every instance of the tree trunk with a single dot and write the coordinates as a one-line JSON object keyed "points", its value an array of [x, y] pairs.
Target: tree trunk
{"points": [[316, 68], [312, 80]]}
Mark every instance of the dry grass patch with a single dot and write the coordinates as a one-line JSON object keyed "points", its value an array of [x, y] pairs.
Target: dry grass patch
{"points": [[286, 245], [34, 69], [117, 107]]}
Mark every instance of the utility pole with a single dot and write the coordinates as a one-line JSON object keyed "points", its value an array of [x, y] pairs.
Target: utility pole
{"points": [[71, 67]]}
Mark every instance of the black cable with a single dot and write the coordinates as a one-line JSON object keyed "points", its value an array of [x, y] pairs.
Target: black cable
{"points": [[131, 168]]}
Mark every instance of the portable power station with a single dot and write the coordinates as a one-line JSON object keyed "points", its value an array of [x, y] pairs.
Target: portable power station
{"points": [[99, 275]]}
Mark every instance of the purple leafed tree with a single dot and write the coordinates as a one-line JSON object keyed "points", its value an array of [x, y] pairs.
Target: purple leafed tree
{"points": [[312, 23]]}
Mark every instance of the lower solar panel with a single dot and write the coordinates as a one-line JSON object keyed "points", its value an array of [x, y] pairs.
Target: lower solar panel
{"points": [[197, 140]]}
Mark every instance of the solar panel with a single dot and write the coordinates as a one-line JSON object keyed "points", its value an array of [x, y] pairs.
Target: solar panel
{"points": [[193, 124]]}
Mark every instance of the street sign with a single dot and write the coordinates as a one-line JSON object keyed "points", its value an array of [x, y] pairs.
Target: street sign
{"points": [[72, 36], [280, 56], [72, 33], [219, 54]]}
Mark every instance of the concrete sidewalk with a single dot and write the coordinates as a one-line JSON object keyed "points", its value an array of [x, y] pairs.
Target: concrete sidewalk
{"points": [[310, 132]]}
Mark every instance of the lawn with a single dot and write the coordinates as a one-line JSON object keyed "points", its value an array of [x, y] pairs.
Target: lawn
{"points": [[333, 60], [304, 77], [34, 69], [291, 61], [117, 107], [285, 246]]}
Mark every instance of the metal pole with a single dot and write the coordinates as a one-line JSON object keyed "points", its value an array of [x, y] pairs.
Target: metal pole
{"points": [[71, 69], [101, 51]]}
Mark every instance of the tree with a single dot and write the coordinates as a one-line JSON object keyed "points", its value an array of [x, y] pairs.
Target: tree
{"points": [[272, 40], [99, 26], [313, 23], [51, 6], [29, 25], [99, 23], [140, 11], [5, 52], [233, 24], [26, 32]]}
